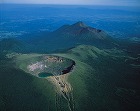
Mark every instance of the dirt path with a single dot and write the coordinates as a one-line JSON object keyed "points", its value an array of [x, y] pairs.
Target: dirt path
{"points": [[65, 90]]}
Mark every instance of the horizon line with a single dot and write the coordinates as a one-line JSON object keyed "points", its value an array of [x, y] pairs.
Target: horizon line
{"points": [[72, 4]]}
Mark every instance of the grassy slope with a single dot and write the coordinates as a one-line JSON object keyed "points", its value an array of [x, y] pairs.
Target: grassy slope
{"points": [[97, 77], [21, 91], [99, 83]]}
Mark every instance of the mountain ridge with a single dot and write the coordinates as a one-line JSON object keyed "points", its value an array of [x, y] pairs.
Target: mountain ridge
{"points": [[79, 29], [65, 37]]}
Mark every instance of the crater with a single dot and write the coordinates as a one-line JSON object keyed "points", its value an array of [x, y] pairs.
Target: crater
{"points": [[47, 65]]}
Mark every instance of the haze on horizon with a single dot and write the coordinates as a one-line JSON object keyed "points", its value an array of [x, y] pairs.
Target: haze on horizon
{"points": [[77, 2]]}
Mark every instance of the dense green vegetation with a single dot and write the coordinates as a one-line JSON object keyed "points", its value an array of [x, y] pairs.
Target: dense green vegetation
{"points": [[101, 83], [103, 79], [20, 91]]}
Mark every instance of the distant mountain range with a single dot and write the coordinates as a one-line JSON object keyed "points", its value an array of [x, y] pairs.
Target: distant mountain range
{"points": [[79, 33], [66, 37]]}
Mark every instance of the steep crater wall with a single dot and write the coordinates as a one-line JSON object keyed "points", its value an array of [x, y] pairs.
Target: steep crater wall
{"points": [[46, 65]]}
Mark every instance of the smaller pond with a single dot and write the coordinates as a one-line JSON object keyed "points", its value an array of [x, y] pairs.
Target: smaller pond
{"points": [[44, 74]]}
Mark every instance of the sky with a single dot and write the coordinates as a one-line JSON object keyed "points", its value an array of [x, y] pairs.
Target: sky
{"points": [[77, 2]]}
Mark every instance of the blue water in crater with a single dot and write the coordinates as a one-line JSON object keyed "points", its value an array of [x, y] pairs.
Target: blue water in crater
{"points": [[44, 74]]}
